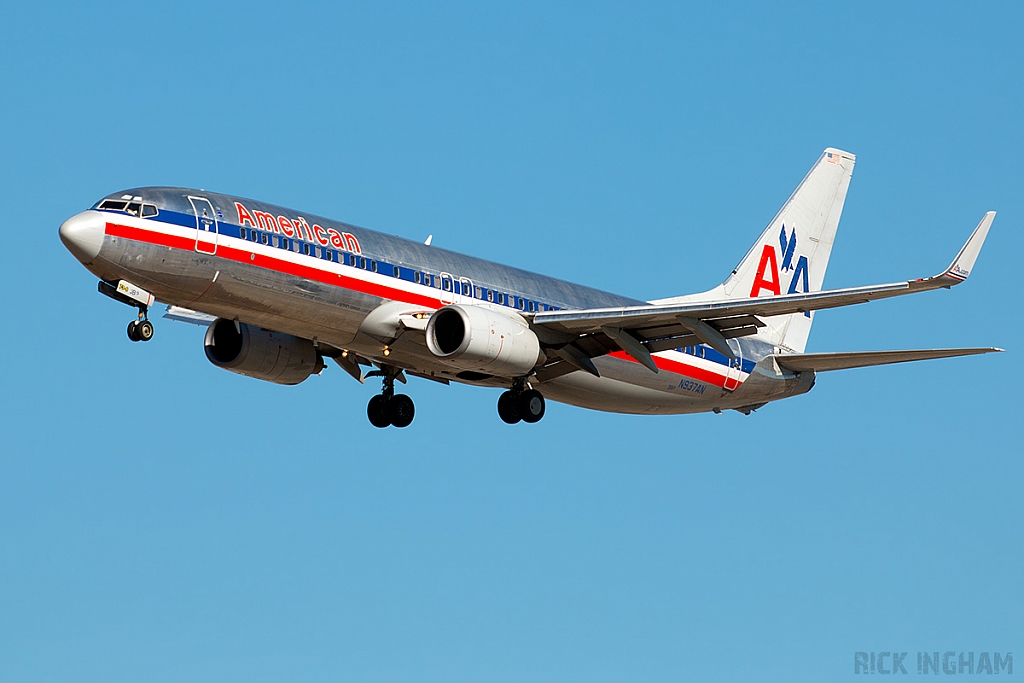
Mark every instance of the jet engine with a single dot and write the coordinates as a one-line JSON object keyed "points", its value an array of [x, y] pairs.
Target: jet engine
{"points": [[259, 353], [479, 339]]}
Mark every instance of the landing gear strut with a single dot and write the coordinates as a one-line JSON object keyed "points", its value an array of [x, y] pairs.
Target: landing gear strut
{"points": [[388, 408], [127, 293], [520, 403]]}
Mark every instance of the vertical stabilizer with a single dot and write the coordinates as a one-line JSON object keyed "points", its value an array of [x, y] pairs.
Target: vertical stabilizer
{"points": [[792, 253]]}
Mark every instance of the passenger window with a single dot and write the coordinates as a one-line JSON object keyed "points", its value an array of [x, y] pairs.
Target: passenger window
{"points": [[295, 246], [241, 231], [316, 251], [373, 265], [416, 277], [148, 210], [263, 238], [274, 240], [446, 284], [532, 307], [490, 295], [398, 272]]}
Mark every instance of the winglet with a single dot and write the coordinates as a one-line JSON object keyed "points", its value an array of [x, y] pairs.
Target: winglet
{"points": [[964, 261]]}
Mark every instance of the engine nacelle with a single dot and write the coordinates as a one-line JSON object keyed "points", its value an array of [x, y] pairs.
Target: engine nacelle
{"points": [[259, 353], [483, 340]]}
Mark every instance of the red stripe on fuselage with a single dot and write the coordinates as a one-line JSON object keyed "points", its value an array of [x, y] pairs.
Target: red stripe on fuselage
{"points": [[679, 368], [275, 264], [357, 285]]}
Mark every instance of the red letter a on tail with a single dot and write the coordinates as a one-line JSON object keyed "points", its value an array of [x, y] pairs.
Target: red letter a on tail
{"points": [[767, 257]]}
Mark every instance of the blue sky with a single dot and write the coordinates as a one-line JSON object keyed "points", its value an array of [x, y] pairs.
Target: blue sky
{"points": [[161, 519]]}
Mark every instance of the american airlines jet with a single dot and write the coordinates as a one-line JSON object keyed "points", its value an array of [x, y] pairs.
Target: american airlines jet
{"points": [[281, 290]]}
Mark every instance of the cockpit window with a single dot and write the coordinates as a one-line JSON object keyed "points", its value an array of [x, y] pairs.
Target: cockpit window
{"points": [[133, 208]]}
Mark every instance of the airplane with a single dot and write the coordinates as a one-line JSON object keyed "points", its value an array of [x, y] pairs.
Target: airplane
{"points": [[279, 291]]}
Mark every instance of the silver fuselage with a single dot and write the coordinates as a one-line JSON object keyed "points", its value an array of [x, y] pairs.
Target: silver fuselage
{"points": [[322, 280]]}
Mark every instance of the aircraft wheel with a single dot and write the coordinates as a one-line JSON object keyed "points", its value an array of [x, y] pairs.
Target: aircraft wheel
{"points": [[144, 330], [376, 410], [133, 331], [507, 408], [401, 410], [530, 406]]}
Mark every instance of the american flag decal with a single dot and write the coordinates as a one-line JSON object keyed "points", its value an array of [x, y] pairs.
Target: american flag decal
{"points": [[832, 158]]}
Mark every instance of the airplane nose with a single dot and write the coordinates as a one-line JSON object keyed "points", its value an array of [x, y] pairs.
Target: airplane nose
{"points": [[82, 234]]}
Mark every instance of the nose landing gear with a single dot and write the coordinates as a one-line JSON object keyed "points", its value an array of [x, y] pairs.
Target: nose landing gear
{"points": [[140, 330], [127, 293], [519, 403], [388, 408]]}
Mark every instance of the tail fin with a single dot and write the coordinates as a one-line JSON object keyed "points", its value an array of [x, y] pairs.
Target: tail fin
{"points": [[791, 255]]}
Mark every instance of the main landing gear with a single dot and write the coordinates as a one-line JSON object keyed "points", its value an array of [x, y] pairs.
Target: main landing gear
{"points": [[520, 403], [388, 408]]}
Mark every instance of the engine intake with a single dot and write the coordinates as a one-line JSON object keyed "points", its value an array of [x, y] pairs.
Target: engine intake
{"points": [[259, 353], [479, 339]]}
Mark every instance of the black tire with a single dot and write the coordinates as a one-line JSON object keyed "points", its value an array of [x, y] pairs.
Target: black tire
{"points": [[133, 331], [144, 331], [507, 408], [400, 410], [376, 410], [530, 406]]}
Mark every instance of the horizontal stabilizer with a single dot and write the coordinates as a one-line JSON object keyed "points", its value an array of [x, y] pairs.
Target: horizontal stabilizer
{"points": [[822, 362]]}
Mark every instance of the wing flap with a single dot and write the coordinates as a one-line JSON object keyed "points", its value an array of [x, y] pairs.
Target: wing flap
{"points": [[823, 362], [187, 315]]}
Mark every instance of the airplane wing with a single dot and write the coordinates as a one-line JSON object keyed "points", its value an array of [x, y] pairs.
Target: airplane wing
{"points": [[645, 329], [822, 362]]}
